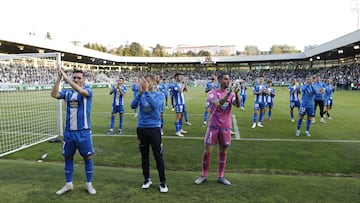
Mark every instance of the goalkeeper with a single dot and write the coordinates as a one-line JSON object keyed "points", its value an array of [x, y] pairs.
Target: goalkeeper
{"points": [[77, 133]]}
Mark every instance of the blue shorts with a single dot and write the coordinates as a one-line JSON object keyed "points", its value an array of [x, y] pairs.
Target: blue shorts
{"points": [[207, 104], [118, 109], [259, 106], [307, 111], [180, 108], [294, 104], [270, 105], [77, 139], [243, 97], [328, 102]]}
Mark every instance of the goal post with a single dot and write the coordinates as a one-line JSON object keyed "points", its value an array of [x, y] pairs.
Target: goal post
{"points": [[28, 114]]}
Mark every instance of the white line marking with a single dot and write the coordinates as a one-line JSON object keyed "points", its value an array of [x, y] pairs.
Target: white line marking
{"points": [[236, 127], [243, 139]]}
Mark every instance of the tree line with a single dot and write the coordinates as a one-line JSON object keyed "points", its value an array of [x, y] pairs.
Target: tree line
{"points": [[136, 49]]}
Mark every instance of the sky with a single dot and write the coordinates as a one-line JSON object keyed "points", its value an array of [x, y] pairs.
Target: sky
{"points": [[262, 23]]}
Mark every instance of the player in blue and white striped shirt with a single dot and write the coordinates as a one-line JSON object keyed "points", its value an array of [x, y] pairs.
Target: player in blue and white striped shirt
{"points": [[294, 91], [135, 89], [260, 92], [77, 133], [179, 102], [243, 87], [270, 99], [119, 92], [328, 102]]}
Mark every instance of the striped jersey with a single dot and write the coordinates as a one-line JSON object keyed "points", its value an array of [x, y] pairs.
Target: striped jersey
{"points": [[294, 95], [259, 98], [179, 98], [78, 109], [117, 98]]}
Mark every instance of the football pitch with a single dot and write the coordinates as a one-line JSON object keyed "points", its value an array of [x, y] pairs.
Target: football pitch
{"points": [[266, 164]]}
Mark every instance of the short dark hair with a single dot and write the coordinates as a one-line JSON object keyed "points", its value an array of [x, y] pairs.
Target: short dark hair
{"points": [[78, 71], [150, 76], [176, 74], [222, 75]]}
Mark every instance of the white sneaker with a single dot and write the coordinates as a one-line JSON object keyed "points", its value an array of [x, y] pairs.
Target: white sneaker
{"points": [[188, 123], [254, 125], [292, 120], [232, 132], [90, 188], [313, 120], [163, 187], [330, 118], [322, 120], [172, 109], [147, 183], [242, 108], [179, 134], [67, 187], [135, 115], [297, 134], [260, 125], [183, 131], [307, 134], [200, 180], [110, 132], [224, 181]]}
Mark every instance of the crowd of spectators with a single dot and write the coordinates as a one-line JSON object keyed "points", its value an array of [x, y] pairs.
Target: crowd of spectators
{"points": [[347, 77]]}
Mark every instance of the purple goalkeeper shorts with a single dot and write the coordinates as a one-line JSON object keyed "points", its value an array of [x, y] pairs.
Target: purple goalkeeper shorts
{"points": [[216, 135]]}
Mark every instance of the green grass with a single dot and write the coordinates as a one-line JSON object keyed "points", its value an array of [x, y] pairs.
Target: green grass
{"points": [[266, 165]]}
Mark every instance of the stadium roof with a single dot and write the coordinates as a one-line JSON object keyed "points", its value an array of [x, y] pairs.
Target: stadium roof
{"points": [[344, 46]]}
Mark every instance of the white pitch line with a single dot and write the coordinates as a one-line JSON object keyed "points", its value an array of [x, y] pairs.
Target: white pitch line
{"points": [[243, 139], [236, 127]]}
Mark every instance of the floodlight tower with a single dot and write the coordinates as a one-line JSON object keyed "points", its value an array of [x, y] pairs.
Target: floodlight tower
{"points": [[355, 8]]}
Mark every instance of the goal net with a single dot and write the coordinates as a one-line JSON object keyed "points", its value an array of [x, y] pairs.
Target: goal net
{"points": [[28, 114]]}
